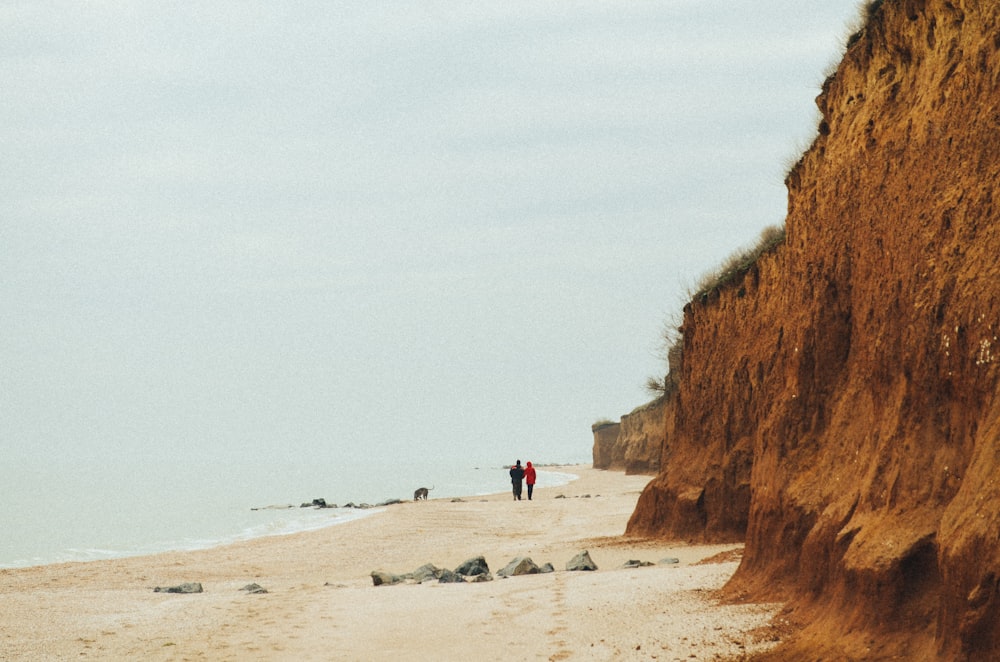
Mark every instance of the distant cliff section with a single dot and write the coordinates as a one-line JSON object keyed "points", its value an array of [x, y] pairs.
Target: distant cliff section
{"points": [[633, 445], [837, 404]]}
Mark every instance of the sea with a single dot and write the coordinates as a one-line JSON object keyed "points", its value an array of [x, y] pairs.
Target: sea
{"points": [[55, 512]]}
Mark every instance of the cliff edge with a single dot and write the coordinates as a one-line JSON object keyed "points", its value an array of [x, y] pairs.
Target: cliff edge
{"points": [[837, 405]]}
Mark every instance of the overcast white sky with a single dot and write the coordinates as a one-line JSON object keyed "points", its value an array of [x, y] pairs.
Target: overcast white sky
{"points": [[291, 224]]}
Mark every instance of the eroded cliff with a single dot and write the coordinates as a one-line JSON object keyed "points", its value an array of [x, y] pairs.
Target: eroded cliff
{"points": [[635, 443], [837, 406]]}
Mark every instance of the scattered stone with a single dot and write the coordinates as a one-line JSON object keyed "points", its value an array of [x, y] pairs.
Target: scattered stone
{"points": [[425, 573], [458, 500], [560, 496], [380, 577], [389, 502], [547, 568], [449, 577], [670, 560], [473, 567], [473, 570], [188, 587], [636, 564], [581, 561], [522, 565], [317, 503], [254, 588]]}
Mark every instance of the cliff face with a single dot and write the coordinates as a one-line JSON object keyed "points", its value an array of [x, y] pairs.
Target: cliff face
{"points": [[837, 408], [634, 445]]}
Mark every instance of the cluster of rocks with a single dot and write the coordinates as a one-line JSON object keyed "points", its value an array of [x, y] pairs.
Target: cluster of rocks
{"points": [[477, 570], [321, 503], [187, 587], [195, 587], [633, 563]]}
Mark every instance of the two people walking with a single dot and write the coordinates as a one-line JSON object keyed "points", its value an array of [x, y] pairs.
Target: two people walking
{"points": [[519, 473]]}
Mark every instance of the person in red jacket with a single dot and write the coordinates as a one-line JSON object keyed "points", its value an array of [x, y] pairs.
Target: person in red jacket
{"points": [[529, 478]]}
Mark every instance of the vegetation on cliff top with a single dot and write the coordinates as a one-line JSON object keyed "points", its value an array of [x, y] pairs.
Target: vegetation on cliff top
{"points": [[602, 423], [740, 262], [730, 271]]}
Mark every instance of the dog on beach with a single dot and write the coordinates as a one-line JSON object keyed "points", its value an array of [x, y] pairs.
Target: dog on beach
{"points": [[421, 493]]}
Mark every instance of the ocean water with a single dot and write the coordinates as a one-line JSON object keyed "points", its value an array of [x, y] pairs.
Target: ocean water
{"points": [[80, 509]]}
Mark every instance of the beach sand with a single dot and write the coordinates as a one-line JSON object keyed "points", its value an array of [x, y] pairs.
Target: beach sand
{"points": [[321, 603]]}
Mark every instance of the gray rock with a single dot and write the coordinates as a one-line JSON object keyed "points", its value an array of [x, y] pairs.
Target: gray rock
{"points": [[254, 588], [581, 561], [188, 587], [473, 567], [636, 564], [424, 573], [669, 561], [380, 577], [389, 502], [449, 577], [475, 579], [547, 568], [522, 565]]}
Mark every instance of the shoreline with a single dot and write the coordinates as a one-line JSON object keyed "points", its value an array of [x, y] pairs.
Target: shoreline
{"points": [[320, 595], [274, 520]]}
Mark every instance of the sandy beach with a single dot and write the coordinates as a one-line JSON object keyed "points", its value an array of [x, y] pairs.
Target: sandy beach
{"points": [[321, 603]]}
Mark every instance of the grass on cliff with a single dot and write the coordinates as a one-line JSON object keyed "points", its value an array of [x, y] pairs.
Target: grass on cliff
{"points": [[602, 423], [732, 268], [739, 262]]}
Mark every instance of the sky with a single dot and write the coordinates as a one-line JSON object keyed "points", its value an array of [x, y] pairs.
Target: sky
{"points": [[374, 226]]}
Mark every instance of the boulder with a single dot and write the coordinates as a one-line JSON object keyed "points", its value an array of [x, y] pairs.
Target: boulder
{"points": [[380, 577], [449, 577], [581, 561], [522, 565], [473, 567], [254, 588], [424, 573]]}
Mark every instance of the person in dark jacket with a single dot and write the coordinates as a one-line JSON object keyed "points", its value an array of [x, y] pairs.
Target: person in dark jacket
{"points": [[516, 476], [529, 478]]}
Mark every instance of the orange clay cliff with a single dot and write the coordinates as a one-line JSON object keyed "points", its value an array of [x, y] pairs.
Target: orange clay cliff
{"points": [[836, 401]]}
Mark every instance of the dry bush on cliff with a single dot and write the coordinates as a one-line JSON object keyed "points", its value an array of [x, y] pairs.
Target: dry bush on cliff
{"points": [[671, 348], [740, 262]]}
